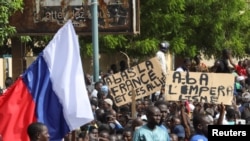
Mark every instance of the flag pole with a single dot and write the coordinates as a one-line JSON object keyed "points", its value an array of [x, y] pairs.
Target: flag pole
{"points": [[95, 41]]}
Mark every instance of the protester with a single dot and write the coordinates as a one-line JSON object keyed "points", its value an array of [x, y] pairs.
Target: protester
{"points": [[89, 83], [201, 122], [163, 48], [83, 136], [127, 134], [162, 105], [240, 68], [153, 123], [151, 131], [173, 137], [98, 85], [123, 65], [38, 131], [178, 128], [185, 65], [199, 66], [8, 82], [221, 65]]}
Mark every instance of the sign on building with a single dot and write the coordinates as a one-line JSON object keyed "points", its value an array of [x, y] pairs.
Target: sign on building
{"points": [[47, 16]]}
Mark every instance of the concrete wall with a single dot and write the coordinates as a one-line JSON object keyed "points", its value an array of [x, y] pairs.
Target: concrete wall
{"points": [[5, 69], [105, 61]]}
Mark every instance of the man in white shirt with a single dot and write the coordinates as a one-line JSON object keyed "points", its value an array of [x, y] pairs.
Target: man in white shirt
{"points": [[163, 48], [185, 66], [98, 86]]}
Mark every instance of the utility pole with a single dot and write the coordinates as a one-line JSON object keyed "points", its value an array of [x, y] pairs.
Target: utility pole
{"points": [[95, 40]]}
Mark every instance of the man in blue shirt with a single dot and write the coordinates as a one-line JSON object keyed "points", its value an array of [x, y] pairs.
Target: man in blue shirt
{"points": [[201, 122], [151, 131], [162, 105]]}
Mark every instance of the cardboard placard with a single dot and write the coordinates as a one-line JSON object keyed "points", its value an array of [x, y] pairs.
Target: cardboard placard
{"points": [[201, 87], [145, 78]]}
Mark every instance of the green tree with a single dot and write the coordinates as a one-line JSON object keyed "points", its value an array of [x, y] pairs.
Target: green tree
{"points": [[7, 8], [191, 26], [197, 25]]}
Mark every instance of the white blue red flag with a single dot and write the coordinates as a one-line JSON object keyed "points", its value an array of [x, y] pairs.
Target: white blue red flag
{"points": [[52, 91]]}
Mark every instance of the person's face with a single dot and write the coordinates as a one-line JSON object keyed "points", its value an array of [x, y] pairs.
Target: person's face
{"points": [[104, 135], [112, 138], [198, 106], [106, 105], [172, 122], [172, 107], [94, 133], [89, 79], [206, 121], [84, 139], [164, 110], [173, 137], [99, 86], [44, 135], [188, 65], [99, 113], [103, 95], [127, 136], [154, 117], [110, 118], [145, 104], [139, 106], [122, 121], [168, 122]]}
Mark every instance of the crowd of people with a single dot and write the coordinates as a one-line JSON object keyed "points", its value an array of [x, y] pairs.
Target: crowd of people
{"points": [[156, 118]]}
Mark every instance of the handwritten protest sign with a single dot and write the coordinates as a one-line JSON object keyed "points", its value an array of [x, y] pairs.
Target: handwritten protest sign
{"points": [[201, 87], [145, 79]]}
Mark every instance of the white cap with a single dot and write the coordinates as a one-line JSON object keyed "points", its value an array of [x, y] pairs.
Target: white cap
{"points": [[109, 101]]}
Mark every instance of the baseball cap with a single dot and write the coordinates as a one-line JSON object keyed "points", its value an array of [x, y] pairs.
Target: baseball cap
{"points": [[109, 101], [179, 131], [105, 89]]}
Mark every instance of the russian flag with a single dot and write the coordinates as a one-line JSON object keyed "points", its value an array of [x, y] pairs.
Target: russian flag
{"points": [[52, 91]]}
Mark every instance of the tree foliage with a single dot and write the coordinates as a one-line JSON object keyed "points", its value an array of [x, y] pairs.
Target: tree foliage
{"points": [[7, 8], [197, 25], [190, 26]]}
